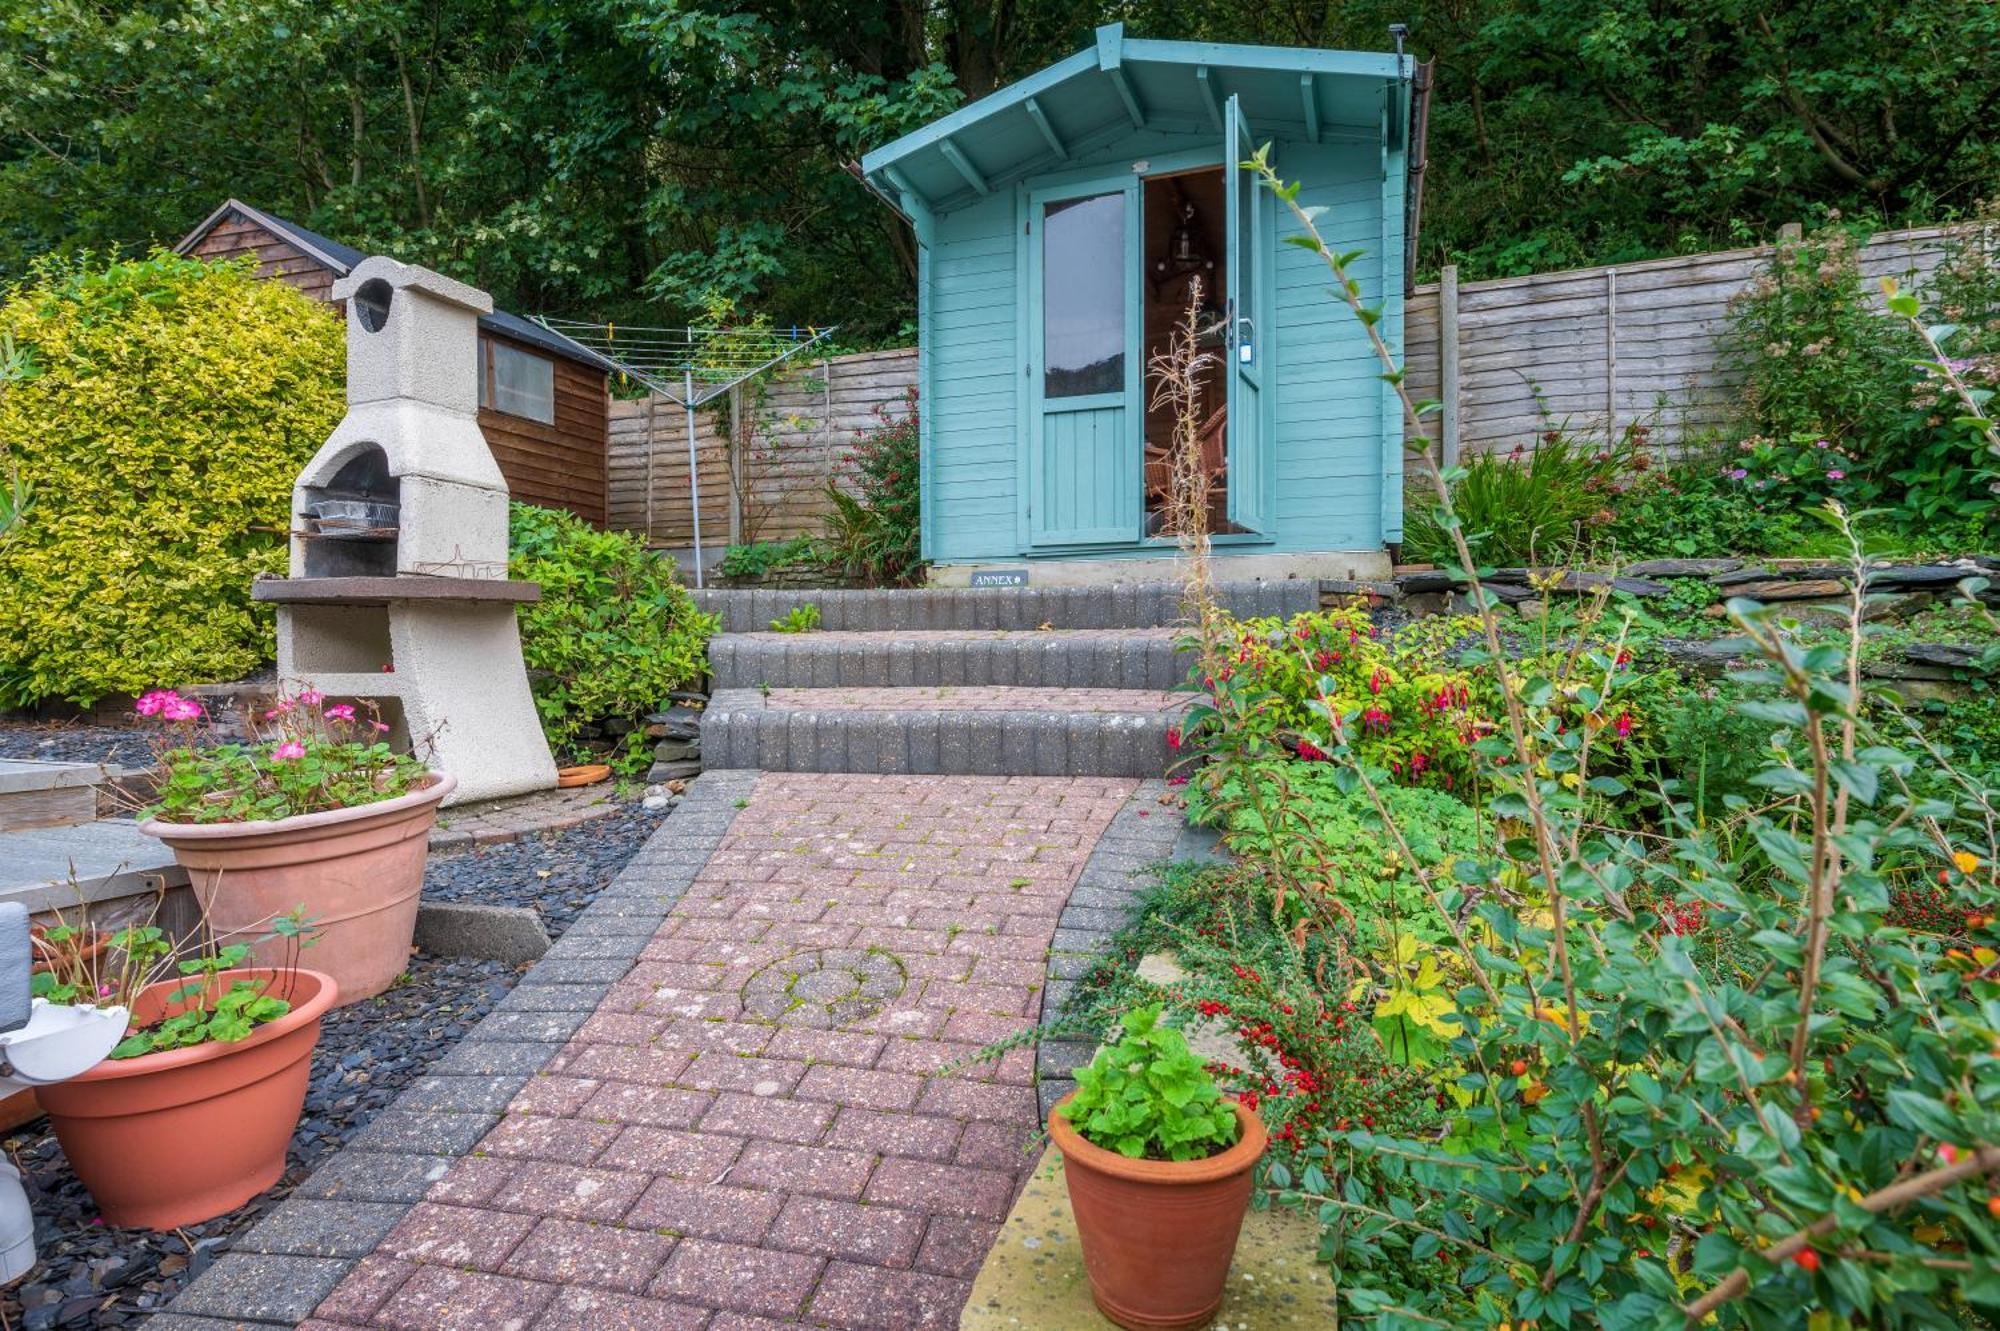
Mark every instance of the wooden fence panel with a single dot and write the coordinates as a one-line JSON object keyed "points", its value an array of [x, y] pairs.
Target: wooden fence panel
{"points": [[1599, 348]]}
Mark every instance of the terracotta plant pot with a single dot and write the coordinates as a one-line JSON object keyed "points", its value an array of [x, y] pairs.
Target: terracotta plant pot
{"points": [[356, 872], [1158, 1235], [589, 774], [179, 1137]]}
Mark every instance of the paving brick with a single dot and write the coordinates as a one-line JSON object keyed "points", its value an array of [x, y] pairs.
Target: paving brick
{"points": [[998, 1146], [866, 1088], [957, 1245], [562, 1140], [671, 1152], [944, 1189], [602, 1310], [820, 1171], [741, 1279], [567, 1252], [558, 1095], [364, 1289], [304, 1227], [882, 1235], [741, 1115], [710, 1211], [368, 1176], [818, 1046], [473, 1181], [256, 1287], [457, 1236], [625, 1102], [868, 1297], [438, 1299], [572, 1191], [914, 1135]]}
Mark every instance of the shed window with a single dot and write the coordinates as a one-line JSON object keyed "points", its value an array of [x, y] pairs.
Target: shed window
{"points": [[517, 382], [1083, 296]]}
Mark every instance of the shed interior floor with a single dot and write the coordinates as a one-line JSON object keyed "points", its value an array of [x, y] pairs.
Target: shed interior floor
{"points": [[1185, 234]]}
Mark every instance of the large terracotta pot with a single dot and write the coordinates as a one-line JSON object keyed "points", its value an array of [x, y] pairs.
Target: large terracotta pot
{"points": [[357, 872], [179, 1137], [1158, 1235]]}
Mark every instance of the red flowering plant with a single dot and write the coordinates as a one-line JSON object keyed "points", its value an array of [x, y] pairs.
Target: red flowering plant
{"points": [[1403, 702], [304, 755]]}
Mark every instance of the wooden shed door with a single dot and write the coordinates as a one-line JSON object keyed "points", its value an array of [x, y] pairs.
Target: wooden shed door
{"points": [[1252, 448], [1083, 448]]}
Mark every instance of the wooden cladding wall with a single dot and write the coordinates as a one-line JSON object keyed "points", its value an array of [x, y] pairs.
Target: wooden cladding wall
{"points": [[796, 439], [1613, 346], [1596, 346], [560, 465]]}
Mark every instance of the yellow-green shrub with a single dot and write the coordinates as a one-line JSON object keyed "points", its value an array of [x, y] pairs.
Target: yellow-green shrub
{"points": [[170, 406]]}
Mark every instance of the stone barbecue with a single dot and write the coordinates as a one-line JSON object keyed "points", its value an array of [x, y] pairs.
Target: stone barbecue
{"points": [[398, 592]]}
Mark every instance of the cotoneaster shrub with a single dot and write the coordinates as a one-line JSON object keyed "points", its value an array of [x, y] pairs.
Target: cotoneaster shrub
{"points": [[171, 404], [613, 632]]}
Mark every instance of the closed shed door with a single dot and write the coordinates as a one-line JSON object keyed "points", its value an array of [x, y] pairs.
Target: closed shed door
{"points": [[1082, 457]]}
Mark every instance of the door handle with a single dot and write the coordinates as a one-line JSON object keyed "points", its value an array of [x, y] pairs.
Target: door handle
{"points": [[1245, 330]]}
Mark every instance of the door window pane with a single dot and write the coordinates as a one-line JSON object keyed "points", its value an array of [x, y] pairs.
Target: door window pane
{"points": [[518, 382], [1083, 296]]}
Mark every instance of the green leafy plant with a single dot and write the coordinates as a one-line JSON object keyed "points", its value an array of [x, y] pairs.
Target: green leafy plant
{"points": [[877, 532], [1797, 1128], [758, 558], [1531, 507], [140, 955], [1148, 1096], [172, 403], [799, 619], [307, 755], [613, 634]]}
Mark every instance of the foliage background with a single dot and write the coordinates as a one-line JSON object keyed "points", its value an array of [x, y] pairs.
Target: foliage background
{"points": [[171, 404], [580, 158]]}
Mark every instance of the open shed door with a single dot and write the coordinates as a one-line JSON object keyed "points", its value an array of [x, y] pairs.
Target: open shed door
{"points": [[1252, 465]]}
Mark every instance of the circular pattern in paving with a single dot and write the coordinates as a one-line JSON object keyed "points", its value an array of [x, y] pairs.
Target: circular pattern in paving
{"points": [[829, 987]]}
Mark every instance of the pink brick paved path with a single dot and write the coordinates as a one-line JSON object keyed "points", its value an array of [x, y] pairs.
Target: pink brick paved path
{"points": [[683, 1165]]}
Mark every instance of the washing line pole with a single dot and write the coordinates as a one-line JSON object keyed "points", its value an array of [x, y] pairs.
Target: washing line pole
{"points": [[694, 481]]}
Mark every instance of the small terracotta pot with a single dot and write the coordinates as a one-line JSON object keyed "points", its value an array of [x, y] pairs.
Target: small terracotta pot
{"points": [[357, 872], [179, 1137], [588, 774], [1158, 1235]]}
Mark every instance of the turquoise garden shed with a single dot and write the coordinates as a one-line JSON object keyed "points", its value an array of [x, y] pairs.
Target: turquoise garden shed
{"points": [[1062, 223]]}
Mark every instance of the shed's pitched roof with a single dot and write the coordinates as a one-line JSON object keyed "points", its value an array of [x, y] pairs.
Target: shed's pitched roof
{"points": [[1119, 85], [340, 259]]}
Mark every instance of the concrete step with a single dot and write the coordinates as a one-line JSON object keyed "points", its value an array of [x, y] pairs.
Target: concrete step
{"points": [[1114, 606], [945, 730], [1044, 658]]}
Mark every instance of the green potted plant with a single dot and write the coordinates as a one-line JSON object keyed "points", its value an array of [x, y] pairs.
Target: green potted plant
{"points": [[1158, 1167], [315, 808], [192, 1113]]}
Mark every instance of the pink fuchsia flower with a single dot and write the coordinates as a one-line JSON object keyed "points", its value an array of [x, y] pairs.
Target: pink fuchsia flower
{"points": [[180, 709], [1174, 738], [1624, 725], [340, 712], [1311, 752], [152, 704], [1836, 475], [287, 751], [312, 698]]}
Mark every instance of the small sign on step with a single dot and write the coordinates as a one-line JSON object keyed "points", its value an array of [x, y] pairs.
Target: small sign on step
{"points": [[1000, 577]]}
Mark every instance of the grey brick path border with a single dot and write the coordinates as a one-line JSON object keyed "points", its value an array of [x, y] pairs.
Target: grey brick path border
{"points": [[1141, 835], [740, 729], [1119, 605], [1107, 659], [280, 1271]]}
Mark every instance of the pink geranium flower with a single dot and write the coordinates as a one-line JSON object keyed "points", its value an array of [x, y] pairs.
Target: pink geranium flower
{"points": [[180, 709], [340, 712], [312, 697], [1836, 475], [152, 704], [287, 751]]}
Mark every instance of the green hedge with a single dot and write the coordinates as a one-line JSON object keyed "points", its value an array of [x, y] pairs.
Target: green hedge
{"points": [[613, 632], [169, 405]]}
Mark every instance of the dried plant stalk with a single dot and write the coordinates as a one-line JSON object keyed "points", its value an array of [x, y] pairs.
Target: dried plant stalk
{"points": [[1178, 374]]}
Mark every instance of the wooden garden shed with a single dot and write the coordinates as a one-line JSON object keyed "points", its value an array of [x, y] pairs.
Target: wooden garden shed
{"points": [[544, 401], [1061, 223]]}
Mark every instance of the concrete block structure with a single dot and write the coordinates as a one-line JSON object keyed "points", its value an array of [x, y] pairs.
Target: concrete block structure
{"points": [[398, 592]]}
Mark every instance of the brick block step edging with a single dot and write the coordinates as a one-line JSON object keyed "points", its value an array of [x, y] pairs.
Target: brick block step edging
{"points": [[937, 732], [916, 658], [1116, 606], [278, 1273]]}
